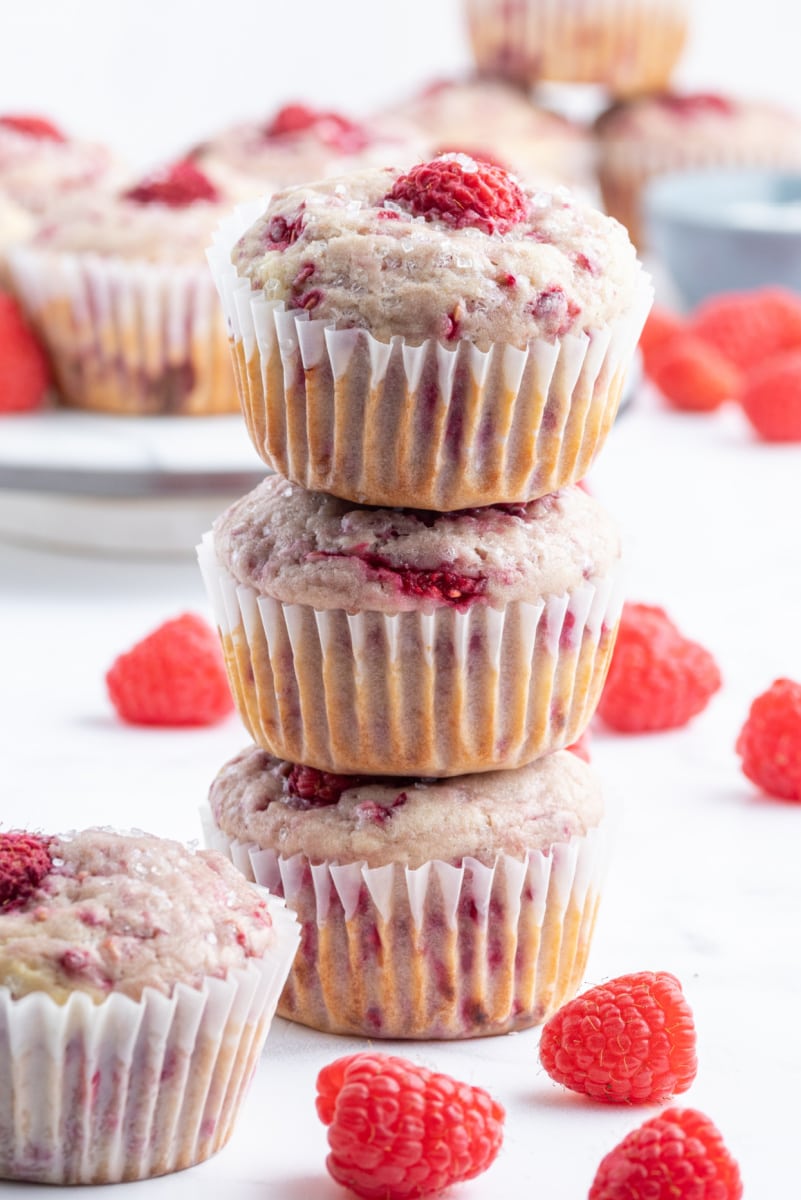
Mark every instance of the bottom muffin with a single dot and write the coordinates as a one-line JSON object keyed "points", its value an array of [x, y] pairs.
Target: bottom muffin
{"points": [[430, 908], [138, 981]]}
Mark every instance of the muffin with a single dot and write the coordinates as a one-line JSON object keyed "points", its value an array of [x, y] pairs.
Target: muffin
{"points": [[298, 143], [137, 984], [652, 135], [445, 908], [438, 339], [40, 166], [16, 225], [494, 121], [385, 641], [626, 46], [118, 289]]}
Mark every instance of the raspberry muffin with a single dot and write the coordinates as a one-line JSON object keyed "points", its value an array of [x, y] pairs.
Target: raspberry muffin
{"points": [[447, 908], [651, 135], [299, 143], [494, 121], [437, 338], [16, 225], [138, 980], [409, 642], [41, 167], [118, 288], [626, 46]]}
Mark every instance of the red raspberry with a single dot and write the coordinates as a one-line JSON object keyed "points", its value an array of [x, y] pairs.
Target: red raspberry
{"points": [[748, 327], [678, 1155], [658, 679], [174, 676], [693, 376], [24, 862], [769, 743], [398, 1130], [177, 186], [317, 788], [462, 192], [628, 1041], [661, 326], [332, 129], [35, 127], [24, 371], [771, 398]]}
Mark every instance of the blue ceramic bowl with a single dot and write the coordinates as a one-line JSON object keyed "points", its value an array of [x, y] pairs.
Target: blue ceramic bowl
{"points": [[726, 230]]}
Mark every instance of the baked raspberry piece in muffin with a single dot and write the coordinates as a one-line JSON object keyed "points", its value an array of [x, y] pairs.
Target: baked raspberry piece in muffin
{"points": [[443, 337], [118, 288], [138, 980], [404, 641], [445, 908]]}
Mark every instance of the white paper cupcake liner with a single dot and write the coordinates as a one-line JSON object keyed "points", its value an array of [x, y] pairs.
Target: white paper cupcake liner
{"points": [[425, 426], [414, 693], [128, 337], [126, 1089], [438, 951], [629, 46]]}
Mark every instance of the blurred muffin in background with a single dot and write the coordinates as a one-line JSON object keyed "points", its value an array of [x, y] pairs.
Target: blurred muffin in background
{"points": [[497, 122], [627, 46], [299, 144], [16, 224], [41, 166], [118, 288], [670, 131]]}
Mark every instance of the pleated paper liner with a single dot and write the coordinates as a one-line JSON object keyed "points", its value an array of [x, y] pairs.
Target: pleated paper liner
{"points": [[389, 423], [436, 952], [128, 337], [126, 1089], [627, 46], [414, 693]]}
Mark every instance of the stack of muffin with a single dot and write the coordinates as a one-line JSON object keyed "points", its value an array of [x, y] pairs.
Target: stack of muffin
{"points": [[418, 609]]}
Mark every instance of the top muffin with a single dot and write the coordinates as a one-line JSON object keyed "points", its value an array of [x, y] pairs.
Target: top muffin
{"points": [[452, 249]]}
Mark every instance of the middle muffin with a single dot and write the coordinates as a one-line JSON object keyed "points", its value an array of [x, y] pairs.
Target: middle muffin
{"points": [[401, 641]]}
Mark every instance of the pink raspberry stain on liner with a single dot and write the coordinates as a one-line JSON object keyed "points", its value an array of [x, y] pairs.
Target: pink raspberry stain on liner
{"points": [[25, 861]]}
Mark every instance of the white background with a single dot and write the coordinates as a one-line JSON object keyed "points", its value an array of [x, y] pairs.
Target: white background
{"points": [[151, 77]]}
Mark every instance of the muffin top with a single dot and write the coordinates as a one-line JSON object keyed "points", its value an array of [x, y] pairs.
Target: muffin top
{"points": [[700, 121], [494, 121], [102, 912], [336, 818], [311, 548], [167, 217], [450, 249], [299, 143], [40, 166]]}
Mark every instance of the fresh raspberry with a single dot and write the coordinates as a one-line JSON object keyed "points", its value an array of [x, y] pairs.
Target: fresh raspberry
{"points": [[628, 1041], [332, 129], [769, 743], [24, 371], [32, 126], [748, 327], [24, 862], [399, 1130], [177, 186], [678, 1155], [462, 192], [581, 748], [174, 676], [771, 397], [693, 376], [661, 327], [658, 679]]}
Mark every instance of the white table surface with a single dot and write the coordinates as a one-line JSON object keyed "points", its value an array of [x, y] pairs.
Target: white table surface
{"points": [[704, 882]]}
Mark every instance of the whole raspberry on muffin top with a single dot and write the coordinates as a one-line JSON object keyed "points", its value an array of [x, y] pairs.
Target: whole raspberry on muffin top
{"points": [[453, 248], [312, 548], [98, 911]]}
